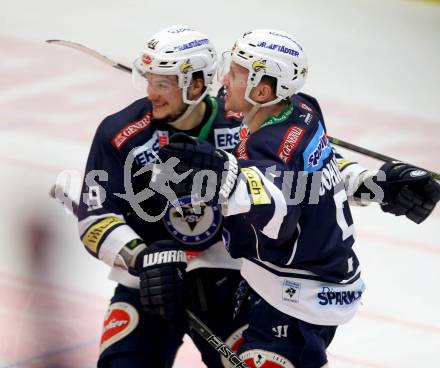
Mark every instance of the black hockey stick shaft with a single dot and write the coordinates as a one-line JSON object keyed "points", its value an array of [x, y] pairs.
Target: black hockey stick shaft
{"points": [[214, 340], [195, 323], [336, 141], [372, 154]]}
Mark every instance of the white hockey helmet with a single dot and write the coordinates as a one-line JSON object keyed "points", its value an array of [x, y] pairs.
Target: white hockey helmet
{"points": [[181, 51], [273, 53]]}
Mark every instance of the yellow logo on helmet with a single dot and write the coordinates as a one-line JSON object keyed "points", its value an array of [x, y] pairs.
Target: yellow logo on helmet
{"points": [[257, 65], [185, 67]]}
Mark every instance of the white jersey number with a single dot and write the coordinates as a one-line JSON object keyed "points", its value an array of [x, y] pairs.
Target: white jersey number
{"points": [[341, 200]]}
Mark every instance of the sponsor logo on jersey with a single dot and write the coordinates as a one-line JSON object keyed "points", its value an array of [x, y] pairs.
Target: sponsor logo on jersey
{"points": [[93, 236], [192, 44], [166, 256], [280, 48], [163, 138], [303, 106], [234, 341], [241, 152], [147, 152], [256, 187], [244, 132], [291, 291], [342, 164], [121, 319], [307, 118], [226, 138], [317, 150], [330, 297], [194, 225], [315, 156], [290, 142], [234, 115], [131, 130], [257, 358]]}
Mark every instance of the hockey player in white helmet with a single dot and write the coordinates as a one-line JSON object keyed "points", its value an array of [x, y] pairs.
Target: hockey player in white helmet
{"points": [[165, 258], [175, 69], [285, 206]]}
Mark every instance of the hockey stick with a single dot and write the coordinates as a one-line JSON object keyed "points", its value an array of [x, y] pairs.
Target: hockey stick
{"points": [[92, 53], [195, 323], [333, 140], [372, 154]]}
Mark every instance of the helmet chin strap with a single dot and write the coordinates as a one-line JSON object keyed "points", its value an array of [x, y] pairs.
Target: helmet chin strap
{"points": [[188, 111], [191, 105], [256, 106], [250, 115]]}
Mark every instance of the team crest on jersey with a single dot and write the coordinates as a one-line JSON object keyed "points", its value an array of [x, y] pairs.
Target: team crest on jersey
{"points": [[291, 291], [257, 358], [121, 319], [192, 226]]}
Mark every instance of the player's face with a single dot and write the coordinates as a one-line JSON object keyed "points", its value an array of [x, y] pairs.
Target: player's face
{"points": [[165, 96], [235, 82]]}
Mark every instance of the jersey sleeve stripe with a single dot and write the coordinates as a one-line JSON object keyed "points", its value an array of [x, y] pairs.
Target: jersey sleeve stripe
{"points": [[96, 234], [239, 202], [272, 228], [114, 241]]}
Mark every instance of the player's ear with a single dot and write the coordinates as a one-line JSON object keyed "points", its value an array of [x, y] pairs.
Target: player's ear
{"points": [[197, 87], [262, 93]]}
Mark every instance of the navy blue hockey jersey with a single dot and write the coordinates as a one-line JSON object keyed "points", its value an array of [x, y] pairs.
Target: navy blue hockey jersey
{"points": [[289, 218], [118, 205]]}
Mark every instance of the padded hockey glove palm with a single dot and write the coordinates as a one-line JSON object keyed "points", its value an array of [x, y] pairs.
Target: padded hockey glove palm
{"points": [[408, 191], [161, 269], [200, 157]]}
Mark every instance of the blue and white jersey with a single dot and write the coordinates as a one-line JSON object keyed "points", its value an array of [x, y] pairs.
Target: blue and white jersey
{"points": [[124, 144], [289, 218]]}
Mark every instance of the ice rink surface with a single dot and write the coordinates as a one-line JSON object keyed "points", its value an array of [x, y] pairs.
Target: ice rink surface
{"points": [[374, 67]]}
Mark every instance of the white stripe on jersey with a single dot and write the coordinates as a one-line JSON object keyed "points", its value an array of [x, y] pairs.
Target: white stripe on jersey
{"points": [[272, 228], [308, 300], [295, 246], [114, 242], [239, 201]]}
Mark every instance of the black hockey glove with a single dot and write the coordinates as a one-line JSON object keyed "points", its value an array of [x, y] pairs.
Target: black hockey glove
{"points": [[196, 156], [408, 191], [161, 269]]}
